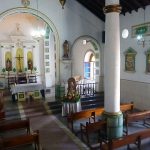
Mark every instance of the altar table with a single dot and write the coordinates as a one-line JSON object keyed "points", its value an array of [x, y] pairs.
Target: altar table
{"points": [[26, 88], [70, 107]]}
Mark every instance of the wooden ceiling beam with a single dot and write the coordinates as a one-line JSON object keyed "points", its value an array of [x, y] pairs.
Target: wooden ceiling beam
{"points": [[98, 12], [126, 6], [132, 4], [136, 3]]}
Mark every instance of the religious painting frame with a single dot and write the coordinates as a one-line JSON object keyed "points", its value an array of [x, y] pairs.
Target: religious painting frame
{"points": [[46, 43], [47, 70], [147, 53], [130, 56]]}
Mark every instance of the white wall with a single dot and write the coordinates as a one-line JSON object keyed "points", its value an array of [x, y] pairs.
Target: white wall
{"points": [[135, 86], [71, 22]]}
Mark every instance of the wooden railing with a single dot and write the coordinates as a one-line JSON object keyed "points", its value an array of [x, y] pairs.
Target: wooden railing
{"points": [[86, 89]]}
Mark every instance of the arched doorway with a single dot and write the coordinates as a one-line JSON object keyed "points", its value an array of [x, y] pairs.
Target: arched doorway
{"points": [[47, 73], [82, 54]]}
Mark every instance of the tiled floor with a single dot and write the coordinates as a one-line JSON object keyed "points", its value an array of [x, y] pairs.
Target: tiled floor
{"points": [[53, 134]]}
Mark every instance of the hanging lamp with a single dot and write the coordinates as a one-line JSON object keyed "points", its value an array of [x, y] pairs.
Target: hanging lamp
{"points": [[62, 2]]}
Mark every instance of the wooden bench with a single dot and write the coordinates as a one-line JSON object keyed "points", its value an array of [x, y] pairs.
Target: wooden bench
{"points": [[138, 116], [98, 112], [18, 141], [135, 138], [7, 125], [2, 115], [90, 128]]}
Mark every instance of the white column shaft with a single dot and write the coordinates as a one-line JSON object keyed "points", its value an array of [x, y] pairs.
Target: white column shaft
{"points": [[112, 63]]}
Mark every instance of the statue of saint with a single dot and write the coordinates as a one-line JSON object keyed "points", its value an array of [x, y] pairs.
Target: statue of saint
{"points": [[66, 49], [8, 65], [30, 64]]}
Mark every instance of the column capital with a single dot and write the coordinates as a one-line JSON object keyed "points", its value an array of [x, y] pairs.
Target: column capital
{"points": [[112, 8]]}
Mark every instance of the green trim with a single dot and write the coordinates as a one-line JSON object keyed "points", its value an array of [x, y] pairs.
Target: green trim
{"points": [[114, 124], [48, 21]]}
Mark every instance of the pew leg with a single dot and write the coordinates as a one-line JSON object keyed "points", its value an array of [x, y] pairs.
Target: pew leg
{"points": [[128, 147]]}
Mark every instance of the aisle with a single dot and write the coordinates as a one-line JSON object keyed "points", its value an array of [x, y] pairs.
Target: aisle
{"points": [[54, 135]]}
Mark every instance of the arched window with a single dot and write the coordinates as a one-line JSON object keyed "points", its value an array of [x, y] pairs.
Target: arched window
{"points": [[89, 65]]}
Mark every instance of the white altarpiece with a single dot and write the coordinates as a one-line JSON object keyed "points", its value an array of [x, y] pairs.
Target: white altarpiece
{"points": [[18, 55]]}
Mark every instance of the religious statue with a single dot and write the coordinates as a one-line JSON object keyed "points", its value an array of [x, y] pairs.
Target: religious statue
{"points": [[72, 95], [8, 65], [30, 64], [66, 49]]}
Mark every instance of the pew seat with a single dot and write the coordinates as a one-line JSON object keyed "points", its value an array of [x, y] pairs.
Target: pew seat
{"points": [[7, 126], [19, 141], [136, 118], [134, 138], [86, 114], [92, 129]]}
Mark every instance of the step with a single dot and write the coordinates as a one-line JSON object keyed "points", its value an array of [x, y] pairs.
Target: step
{"points": [[92, 102], [91, 98], [55, 106], [56, 111], [90, 106]]}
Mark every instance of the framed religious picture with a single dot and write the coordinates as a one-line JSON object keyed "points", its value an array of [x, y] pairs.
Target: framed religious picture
{"points": [[46, 56], [47, 70], [47, 50], [46, 43], [147, 53], [47, 63], [130, 55]]}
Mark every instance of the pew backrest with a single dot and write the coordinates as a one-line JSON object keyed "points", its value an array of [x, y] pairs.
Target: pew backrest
{"points": [[98, 112], [137, 116], [7, 125], [21, 140], [126, 140]]}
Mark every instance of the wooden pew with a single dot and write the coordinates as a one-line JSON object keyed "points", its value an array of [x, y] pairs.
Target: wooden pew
{"points": [[98, 112], [90, 128], [18, 141], [118, 143], [7, 125], [2, 115], [138, 116], [135, 138]]}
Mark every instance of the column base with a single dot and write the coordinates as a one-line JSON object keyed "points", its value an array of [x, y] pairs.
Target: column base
{"points": [[114, 124]]}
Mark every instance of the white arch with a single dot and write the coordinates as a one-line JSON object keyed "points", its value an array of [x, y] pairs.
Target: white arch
{"points": [[78, 52], [48, 21]]}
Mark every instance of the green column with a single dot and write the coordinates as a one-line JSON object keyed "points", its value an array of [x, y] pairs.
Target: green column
{"points": [[114, 124]]}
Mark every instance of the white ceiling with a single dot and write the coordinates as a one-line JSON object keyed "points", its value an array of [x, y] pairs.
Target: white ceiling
{"points": [[27, 23]]}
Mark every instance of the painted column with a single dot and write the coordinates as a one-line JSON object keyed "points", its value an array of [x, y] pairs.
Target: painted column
{"points": [[112, 69]]}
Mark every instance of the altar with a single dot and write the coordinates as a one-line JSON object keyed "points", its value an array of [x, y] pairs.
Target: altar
{"points": [[25, 88], [70, 107]]}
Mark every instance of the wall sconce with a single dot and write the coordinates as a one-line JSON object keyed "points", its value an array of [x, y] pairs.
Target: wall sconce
{"points": [[62, 2], [86, 41]]}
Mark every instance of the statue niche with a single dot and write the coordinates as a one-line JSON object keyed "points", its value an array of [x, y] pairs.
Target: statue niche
{"points": [[66, 49], [8, 65], [8, 61]]}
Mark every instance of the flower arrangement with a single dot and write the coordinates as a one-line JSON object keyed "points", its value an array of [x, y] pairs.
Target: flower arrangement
{"points": [[71, 97], [14, 69], [4, 70]]}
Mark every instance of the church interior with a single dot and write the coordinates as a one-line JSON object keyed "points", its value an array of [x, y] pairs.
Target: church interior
{"points": [[74, 74]]}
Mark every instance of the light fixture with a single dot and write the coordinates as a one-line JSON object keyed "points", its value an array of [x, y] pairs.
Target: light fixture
{"points": [[125, 33], [86, 41], [38, 33], [141, 32], [62, 2], [25, 3]]}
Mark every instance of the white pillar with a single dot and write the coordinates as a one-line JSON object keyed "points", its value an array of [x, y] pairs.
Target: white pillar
{"points": [[112, 57]]}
